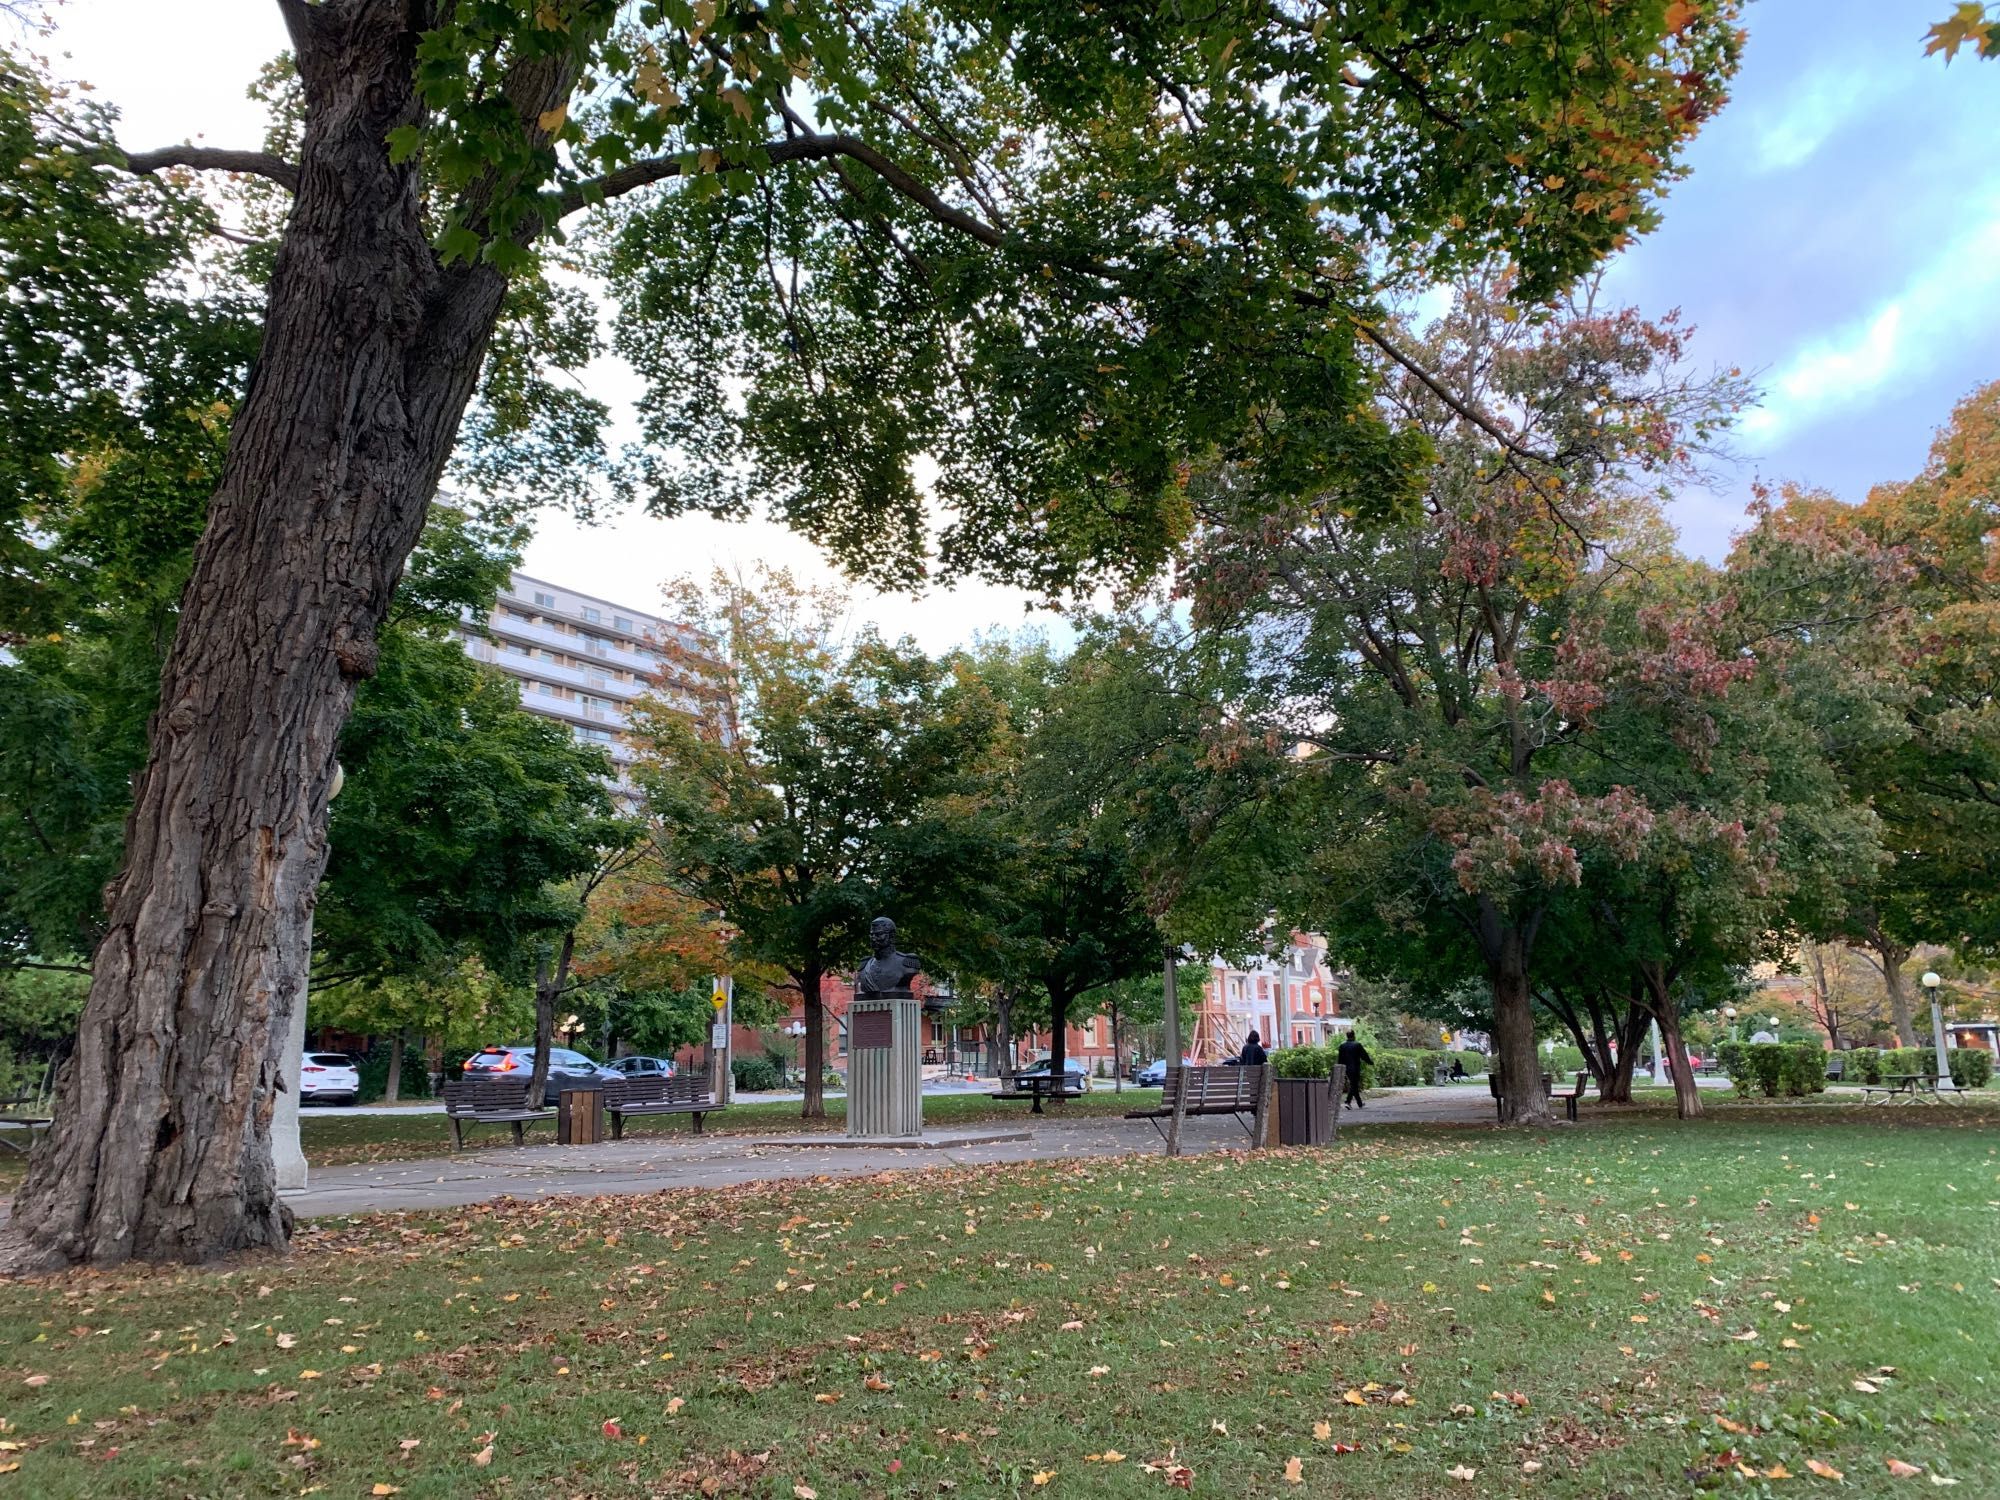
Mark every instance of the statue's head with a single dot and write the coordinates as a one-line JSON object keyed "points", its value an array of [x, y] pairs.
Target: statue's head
{"points": [[882, 935]]}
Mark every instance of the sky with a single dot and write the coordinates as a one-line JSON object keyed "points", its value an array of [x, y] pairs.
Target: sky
{"points": [[1838, 239]]}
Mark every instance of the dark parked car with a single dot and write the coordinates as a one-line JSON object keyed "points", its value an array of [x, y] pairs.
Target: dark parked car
{"points": [[567, 1068], [1076, 1079], [642, 1067]]}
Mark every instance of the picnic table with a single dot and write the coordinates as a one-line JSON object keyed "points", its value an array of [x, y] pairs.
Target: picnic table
{"points": [[1038, 1087], [26, 1124], [1907, 1088]]}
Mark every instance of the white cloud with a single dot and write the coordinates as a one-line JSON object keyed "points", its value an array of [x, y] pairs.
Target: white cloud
{"points": [[1951, 302], [1791, 131]]}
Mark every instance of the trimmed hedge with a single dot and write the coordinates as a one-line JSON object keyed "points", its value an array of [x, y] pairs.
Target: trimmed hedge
{"points": [[756, 1074], [1773, 1068], [1303, 1062], [1971, 1067]]}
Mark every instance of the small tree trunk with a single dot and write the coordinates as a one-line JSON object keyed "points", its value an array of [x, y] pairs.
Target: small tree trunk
{"points": [[814, 1107], [1522, 1100], [1117, 1054], [1058, 1040], [1617, 1089], [392, 1087], [161, 1146], [1003, 1036], [1687, 1095], [1892, 955]]}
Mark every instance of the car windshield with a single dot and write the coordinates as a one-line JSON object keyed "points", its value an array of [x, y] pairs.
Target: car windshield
{"points": [[328, 1060]]}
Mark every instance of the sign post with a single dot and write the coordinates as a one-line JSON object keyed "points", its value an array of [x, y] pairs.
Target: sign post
{"points": [[722, 1078]]}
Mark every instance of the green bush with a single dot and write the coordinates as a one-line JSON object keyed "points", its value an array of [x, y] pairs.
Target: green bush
{"points": [[1864, 1065], [755, 1074], [1907, 1060], [1394, 1069], [1803, 1069], [1971, 1067], [1756, 1067], [1303, 1062]]}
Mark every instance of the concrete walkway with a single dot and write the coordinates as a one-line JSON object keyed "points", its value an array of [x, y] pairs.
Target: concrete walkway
{"points": [[650, 1164]]}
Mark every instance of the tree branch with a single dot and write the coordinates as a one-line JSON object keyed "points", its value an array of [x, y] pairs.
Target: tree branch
{"points": [[813, 147], [214, 158]]}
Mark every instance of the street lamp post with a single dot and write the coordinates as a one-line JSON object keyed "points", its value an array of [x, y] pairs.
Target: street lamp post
{"points": [[1931, 983], [796, 1030], [1729, 1015]]}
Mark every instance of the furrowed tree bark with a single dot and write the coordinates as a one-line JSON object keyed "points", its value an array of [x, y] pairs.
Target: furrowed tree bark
{"points": [[161, 1145], [1890, 956], [392, 1086], [1505, 946]]}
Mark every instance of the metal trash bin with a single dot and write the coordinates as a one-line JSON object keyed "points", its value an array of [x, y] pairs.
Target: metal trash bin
{"points": [[580, 1116]]}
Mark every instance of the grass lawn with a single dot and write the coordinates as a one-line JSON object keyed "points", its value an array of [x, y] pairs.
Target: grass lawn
{"points": [[1634, 1310]]}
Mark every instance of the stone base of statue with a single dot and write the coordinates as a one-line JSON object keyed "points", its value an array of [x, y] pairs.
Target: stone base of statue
{"points": [[885, 1095]]}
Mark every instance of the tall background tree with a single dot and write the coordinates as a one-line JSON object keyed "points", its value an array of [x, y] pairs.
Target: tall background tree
{"points": [[816, 790]]}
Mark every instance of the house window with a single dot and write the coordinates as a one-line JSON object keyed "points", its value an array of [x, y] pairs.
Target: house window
{"points": [[622, 623], [590, 614], [598, 680], [546, 601]]}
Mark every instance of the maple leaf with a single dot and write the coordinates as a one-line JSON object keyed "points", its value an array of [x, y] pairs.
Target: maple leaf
{"points": [[675, 1405], [1824, 1470], [1902, 1470], [483, 1457], [1043, 1476], [1967, 23], [1322, 1430], [1355, 1398]]}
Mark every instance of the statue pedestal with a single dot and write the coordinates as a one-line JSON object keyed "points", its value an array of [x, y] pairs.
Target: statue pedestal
{"points": [[885, 1100]]}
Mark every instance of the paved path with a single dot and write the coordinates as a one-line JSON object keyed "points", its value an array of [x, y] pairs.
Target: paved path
{"points": [[649, 1164]]}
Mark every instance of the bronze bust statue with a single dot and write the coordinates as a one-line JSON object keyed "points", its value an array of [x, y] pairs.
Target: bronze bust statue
{"points": [[888, 972]]}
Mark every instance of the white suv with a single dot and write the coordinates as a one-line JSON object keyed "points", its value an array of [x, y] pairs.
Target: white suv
{"points": [[328, 1078]]}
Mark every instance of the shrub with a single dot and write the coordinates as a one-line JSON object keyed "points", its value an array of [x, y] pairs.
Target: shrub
{"points": [[755, 1074], [1764, 1067], [1803, 1068], [1864, 1065], [1303, 1062], [1971, 1067], [1392, 1070], [1907, 1060]]}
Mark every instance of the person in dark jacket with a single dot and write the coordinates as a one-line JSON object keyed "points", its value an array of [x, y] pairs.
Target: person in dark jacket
{"points": [[1253, 1054], [1352, 1056]]}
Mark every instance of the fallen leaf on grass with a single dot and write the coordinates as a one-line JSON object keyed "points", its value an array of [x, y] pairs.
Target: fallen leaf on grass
{"points": [[1108, 1456], [1462, 1474], [296, 1439], [1902, 1470], [483, 1457], [1777, 1471], [386, 1489], [1935, 1478], [876, 1383], [1531, 1466], [1322, 1430], [1355, 1398], [805, 1492], [675, 1405], [36, 1382], [1098, 1371], [1825, 1471], [408, 1443], [1866, 1387], [827, 1398], [611, 1429], [1043, 1476]]}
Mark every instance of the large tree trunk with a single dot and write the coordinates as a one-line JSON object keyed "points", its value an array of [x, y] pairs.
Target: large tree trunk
{"points": [[1891, 955], [1506, 949], [1687, 1092], [161, 1145], [392, 1086], [814, 1064]]}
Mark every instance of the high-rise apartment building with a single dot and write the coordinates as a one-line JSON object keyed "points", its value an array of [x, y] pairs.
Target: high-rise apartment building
{"points": [[582, 660]]}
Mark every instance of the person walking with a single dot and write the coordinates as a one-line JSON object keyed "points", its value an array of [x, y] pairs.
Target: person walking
{"points": [[1352, 1057], [1253, 1054]]}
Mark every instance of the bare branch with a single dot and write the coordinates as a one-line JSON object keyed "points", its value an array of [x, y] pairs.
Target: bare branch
{"points": [[214, 158]]}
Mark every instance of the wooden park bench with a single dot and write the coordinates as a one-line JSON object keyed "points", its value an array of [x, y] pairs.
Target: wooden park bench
{"points": [[1038, 1086], [1575, 1094], [683, 1094], [489, 1101], [1235, 1091]]}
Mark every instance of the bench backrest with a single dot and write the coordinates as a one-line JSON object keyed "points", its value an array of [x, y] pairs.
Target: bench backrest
{"points": [[1836, 1068], [1214, 1088], [465, 1096], [688, 1088]]}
